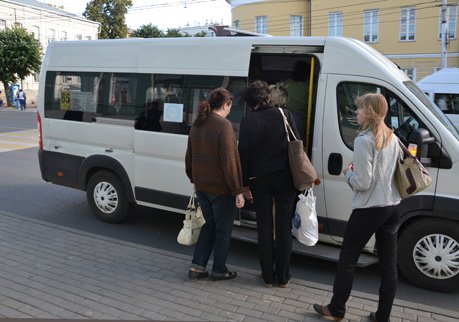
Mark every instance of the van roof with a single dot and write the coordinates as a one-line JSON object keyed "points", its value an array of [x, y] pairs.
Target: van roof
{"points": [[444, 81]]}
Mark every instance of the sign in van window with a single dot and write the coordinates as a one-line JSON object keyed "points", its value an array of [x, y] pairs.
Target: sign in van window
{"points": [[148, 102]]}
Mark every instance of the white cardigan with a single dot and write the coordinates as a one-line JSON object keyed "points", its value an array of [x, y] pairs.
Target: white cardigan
{"points": [[372, 178]]}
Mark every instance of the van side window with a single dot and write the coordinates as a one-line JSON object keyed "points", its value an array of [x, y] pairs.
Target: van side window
{"points": [[399, 117], [148, 102], [448, 103]]}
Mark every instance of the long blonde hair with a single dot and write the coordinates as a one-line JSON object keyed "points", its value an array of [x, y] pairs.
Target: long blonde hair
{"points": [[375, 108]]}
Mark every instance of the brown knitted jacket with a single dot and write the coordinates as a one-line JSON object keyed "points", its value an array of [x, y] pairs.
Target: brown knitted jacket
{"points": [[212, 158]]}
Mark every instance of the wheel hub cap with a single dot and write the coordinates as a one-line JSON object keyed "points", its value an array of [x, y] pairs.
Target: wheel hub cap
{"points": [[105, 197], [437, 256]]}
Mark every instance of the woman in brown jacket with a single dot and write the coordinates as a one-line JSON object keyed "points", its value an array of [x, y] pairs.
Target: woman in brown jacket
{"points": [[213, 166]]}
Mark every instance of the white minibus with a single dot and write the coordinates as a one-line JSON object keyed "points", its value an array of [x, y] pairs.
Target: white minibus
{"points": [[442, 87], [114, 116]]}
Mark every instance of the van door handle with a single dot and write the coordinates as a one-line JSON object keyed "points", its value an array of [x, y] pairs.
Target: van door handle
{"points": [[335, 164], [57, 147], [109, 150]]}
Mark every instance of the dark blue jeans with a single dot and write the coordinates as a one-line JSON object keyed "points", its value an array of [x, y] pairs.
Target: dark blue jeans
{"points": [[218, 211], [383, 222]]}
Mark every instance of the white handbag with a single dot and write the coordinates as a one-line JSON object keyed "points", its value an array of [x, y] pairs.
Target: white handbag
{"points": [[305, 227], [192, 224]]}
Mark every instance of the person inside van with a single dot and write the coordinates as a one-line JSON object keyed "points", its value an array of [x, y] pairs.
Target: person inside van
{"points": [[265, 168], [443, 103], [298, 92], [370, 176], [213, 166]]}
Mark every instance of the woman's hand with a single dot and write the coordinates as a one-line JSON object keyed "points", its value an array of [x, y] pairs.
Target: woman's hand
{"points": [[349, 167], [240, 200], [248, 195]]}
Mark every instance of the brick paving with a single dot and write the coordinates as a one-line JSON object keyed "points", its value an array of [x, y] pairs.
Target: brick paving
{"points": [[54, 272]]}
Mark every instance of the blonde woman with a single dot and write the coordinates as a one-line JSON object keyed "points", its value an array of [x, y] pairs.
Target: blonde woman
{"points": [[374, 209]]}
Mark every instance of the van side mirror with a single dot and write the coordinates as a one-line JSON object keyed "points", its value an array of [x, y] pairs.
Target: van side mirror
{"points": [[429, 152], [421, 137]]}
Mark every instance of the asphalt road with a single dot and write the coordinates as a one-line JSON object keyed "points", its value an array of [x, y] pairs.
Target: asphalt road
{"points": [[23, 192]]}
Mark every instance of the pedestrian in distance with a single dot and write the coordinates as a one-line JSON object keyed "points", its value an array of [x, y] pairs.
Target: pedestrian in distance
{"points": [[213, 166], [374, 211], [265, 169], [21, 98], [1, 100]]}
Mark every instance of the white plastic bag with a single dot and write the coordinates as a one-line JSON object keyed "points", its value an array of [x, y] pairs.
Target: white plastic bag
{"points": [[192, 224], [305, 227]]}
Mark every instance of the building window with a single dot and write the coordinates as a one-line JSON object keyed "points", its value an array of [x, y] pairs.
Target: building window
{"points": [[2, 24], [36, 32], [410, 72], [261, 24], [451, 20], [51, 35], [371, 26], [64, 36], [78, 37], [296, 26], [335, 24], [407, 24], [36, 77], [236, 24]]}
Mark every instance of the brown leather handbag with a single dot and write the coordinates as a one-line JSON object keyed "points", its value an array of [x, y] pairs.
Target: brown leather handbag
{"points": [[303, 172]]}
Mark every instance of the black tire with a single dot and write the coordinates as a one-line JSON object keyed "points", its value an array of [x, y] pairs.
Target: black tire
{"points": [[423, 246], [107, 197]]}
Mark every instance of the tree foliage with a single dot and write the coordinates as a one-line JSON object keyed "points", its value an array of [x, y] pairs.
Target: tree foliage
{"points": [[20, 56], [151, 31], [112, 17], [148, 31]]}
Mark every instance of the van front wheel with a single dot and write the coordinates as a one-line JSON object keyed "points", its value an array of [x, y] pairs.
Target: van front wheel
{"points": [[428, 254], [107, 198]]}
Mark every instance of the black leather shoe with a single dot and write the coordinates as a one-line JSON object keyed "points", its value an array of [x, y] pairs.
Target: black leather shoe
{"points": [[229, 275], [195, 275], [324, 312]]}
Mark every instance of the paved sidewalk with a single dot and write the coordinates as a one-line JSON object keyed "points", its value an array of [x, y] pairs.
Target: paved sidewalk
{"points": [[14, 109], [53, 272]]}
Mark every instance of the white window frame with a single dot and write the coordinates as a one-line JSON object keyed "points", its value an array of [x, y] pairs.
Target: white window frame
{"points": [[335, 24], [451, 20], [261, 24], [296, 25], [2, 24], [51, 35], [64, 35], [409, 15], [371, 26], [410, 72], [36, 32]]}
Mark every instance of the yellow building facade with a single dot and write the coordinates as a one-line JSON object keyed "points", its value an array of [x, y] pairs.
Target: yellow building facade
{"points": [[406, 31]]}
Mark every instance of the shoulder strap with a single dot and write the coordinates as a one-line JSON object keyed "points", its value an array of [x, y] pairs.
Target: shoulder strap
{"points": [[287, 126]]}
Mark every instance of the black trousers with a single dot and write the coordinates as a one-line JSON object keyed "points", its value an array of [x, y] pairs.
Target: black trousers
{"points": [[383, 222], [274, 254]]}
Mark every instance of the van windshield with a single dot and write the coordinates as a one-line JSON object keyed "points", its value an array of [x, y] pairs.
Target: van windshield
{"points": [[432, 107]]}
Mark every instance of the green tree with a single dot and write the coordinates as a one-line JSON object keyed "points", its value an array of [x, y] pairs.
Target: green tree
{"points": [[112, 17], [200, 34], [174, 32], [20, 56], [148, 31]]}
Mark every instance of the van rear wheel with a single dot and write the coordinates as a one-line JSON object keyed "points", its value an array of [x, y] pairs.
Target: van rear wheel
{"points": [[107, 197], [428, 254]]}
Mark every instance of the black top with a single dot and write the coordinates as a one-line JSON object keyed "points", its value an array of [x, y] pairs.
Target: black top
{"points": [[263, 142]]}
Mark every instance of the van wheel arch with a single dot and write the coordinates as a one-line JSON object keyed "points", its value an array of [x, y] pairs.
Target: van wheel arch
{"points": [[96, 163], [424, 245]]}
